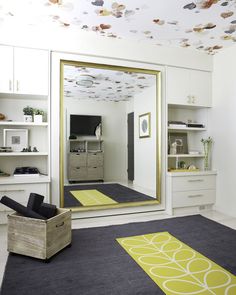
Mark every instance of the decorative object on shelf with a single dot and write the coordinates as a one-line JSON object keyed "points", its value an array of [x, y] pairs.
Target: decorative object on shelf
{"points": [[194, 152], [145, 125], [26, 171], [28, 114], [178, 140], [2, 116], [173, 148], [182, 165], [17, 139], [207, 143], [72, 136], [98, 131], [3, 174], [38, 116], [29, 150], [5, 149], [195, 125], [176, 124]]}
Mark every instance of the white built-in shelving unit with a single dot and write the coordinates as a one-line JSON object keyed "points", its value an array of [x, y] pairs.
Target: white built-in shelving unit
{"points": [[189, 101], [24, 81]]}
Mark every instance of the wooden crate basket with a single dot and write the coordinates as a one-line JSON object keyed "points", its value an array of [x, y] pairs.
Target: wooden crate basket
{"points": [[39, 238]]}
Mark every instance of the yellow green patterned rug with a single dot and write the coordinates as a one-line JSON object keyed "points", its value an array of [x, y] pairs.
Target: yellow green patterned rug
{"points": [[92, 197], [176, 268]]}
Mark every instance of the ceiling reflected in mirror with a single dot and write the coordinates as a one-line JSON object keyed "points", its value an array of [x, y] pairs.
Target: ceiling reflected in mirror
{"points": [[86, 83]]}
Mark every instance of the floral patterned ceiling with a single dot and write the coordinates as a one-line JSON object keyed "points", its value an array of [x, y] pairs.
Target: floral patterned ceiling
{"points": [[104, 84], [206, 25]]}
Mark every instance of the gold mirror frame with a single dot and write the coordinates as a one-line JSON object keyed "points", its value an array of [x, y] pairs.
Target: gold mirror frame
{"points": [[158, 135]]}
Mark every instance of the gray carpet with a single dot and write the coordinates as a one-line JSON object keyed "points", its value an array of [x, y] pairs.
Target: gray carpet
{"points": [[97, 265]]}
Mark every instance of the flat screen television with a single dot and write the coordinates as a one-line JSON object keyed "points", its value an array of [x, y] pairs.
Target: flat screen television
{"points": [[84, 124]]}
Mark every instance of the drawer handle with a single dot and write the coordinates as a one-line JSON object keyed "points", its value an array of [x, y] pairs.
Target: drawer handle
{"points": [[12, 190], [195, 196], [60, 224], [77, 154], [195, 180], [77, 167]]}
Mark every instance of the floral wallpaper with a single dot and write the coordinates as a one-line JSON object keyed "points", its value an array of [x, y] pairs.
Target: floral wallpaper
{"points": [[206, 25], [104, 85]]}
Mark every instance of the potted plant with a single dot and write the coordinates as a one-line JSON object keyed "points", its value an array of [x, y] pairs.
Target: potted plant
{"points": [[28, 114], [38, 115]]}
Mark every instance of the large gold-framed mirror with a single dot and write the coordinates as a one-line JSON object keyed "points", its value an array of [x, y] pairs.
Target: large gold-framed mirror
{"points": [[110, 136]]}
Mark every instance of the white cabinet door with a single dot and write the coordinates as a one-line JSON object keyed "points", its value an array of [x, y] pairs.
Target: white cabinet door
{"points": [[178, 89], [200, 84], [188, 87], [6, 69], [30, 71]]}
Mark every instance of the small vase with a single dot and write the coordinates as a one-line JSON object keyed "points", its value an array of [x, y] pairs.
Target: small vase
{"points": [[206, 163], [28, 118], [38, 118]]}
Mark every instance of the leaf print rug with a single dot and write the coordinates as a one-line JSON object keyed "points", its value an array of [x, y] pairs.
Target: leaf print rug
{"points": [[176, 268]]}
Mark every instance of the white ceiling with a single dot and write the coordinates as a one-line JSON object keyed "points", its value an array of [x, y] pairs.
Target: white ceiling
{"points": [[206, 25], [104, 84]]}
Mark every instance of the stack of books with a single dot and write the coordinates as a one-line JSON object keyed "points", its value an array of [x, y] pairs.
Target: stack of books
{"points": [[177, 124]]}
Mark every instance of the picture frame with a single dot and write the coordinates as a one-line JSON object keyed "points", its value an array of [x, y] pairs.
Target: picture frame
{"points": [[17, 139], [145, 125], [178, 143]]}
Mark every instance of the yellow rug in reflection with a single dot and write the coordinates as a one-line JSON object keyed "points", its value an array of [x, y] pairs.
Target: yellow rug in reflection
{"points": [[176, 268], [92, 197]]}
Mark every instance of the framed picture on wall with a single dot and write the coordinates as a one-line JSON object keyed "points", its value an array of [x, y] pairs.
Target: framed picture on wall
{"points": [[145, 125], [17, 139], [178, 143]]}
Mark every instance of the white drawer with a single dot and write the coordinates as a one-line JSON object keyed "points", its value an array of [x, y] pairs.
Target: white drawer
{"points": [[193, 198], [20, 192], [95, 159], [77, 159], [77, 173], [95, 173], [194, 182]]}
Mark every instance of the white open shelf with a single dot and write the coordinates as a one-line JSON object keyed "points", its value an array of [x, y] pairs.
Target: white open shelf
{"points": [[186, 129], [24, 179], [186, 156], [11, 123], [22, 154]]}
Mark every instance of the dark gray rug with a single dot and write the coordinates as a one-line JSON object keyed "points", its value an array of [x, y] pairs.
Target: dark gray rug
{"points": [[97, 265], [117, 192]]}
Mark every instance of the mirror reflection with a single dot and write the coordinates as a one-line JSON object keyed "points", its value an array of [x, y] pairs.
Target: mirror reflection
{"points": [[109, 140]]}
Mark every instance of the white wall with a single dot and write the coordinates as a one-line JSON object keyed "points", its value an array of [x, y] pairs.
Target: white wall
{"points": [[223, 129], [145, 148], [91, 44], [113, 133]]}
